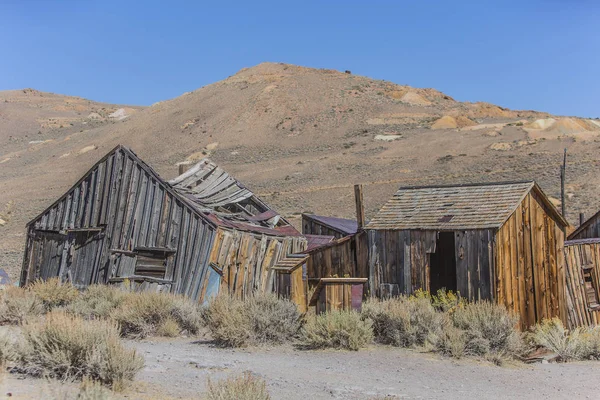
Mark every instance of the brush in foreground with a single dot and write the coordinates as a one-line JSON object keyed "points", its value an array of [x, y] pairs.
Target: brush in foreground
{"points": [[68, 347], [581, 343], [260, 319], [242, 387], [337, 330]]}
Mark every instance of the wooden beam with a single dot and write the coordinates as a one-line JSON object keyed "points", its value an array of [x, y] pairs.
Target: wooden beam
{"points": [[360, 207]]}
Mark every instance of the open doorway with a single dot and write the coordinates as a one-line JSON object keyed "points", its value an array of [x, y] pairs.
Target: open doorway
{"points": [[442, 269]]}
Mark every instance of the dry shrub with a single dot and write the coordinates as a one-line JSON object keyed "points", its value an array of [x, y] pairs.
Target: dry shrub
{"points": [[97, 301], [404, 321], [68, 347], [578, 344], [93, 390], [261, 319], [168, 328], [488, 329], [7, 350], [452, 341], [53, 293], [338, 330], [17, 305], [141, 314], [242, 387]]}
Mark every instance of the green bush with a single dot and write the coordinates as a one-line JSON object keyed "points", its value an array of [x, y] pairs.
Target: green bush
{"points": [[243, 387], [68, 347], [338, 330], [404, 321], [260, 319]]}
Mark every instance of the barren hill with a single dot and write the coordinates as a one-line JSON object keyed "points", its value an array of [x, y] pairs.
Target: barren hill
{"points": [[300, 137]]}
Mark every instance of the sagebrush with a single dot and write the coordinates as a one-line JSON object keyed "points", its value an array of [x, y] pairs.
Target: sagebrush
{"points": [[54, 293], [242, 387], [64, 346], [578, 344], [338, 330], [18, 305], [260, 319]]}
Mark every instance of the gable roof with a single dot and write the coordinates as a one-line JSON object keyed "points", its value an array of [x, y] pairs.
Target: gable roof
{"points": [[254, 223], [470, 206], [316, 241], [342, 225], [581, 227]]}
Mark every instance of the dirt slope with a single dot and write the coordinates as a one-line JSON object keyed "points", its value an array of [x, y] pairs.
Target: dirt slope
{"points": [[298, 136]]}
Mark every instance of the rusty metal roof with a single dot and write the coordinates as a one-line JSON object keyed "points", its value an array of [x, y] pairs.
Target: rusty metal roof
{"points": [[472, 206], [316, 241], [342, 225], [228, 202]]}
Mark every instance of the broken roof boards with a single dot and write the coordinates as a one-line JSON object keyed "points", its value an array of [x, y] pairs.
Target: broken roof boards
{"points": [[494, 241], [122, 221]]}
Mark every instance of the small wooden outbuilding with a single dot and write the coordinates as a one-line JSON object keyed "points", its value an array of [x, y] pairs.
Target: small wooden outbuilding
{"points": [[495, 241], [195, 235], [338, 294], [588, 230], [331, 226], [582, 261]]}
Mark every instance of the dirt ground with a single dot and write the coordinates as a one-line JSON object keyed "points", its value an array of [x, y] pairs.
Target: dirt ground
{"points": [[179, 369]]}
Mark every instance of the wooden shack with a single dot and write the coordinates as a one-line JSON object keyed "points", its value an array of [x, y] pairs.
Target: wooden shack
{"points": [[338, 294], [495, 241], [199, 233], [329, 226], [582, 261], [588, 230], [290, 279]]}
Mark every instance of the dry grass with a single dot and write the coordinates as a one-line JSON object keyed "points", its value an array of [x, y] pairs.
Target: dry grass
{"points": [[404, 321], [64, 346], [97, 301], [150, 313], [242, 387], [581, 343], [261, 319], [53, 293], [18, 305], [488, 329], [338, 330]]}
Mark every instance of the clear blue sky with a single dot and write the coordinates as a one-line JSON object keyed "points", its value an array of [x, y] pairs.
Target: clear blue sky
{"points": [[534, 54]]}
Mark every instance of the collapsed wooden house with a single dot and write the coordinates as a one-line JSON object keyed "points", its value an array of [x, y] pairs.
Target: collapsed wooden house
{"points": [[199, 233], [497, 241]]}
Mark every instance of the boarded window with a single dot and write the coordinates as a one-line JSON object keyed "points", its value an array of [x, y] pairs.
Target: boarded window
{"points": [[591, 289], [152, 263]]}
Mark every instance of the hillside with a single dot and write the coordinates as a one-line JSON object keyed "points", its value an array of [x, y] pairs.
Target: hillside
{"points": [[300, 137]]}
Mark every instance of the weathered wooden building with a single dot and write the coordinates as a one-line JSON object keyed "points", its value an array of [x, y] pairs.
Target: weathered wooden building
{"points": [[587, 230], [582, 265], [496, 241], [330, 226], [199, 233]]}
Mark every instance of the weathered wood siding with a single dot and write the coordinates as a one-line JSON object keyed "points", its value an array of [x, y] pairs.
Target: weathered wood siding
{"points": [[591, 229], [90, 235], [577, 257], [530, 274], [346, 257], [399, 260], [340, 296], [246, 259], [312, 227]]}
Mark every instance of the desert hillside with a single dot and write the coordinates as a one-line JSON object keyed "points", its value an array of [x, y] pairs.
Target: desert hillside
{"points": [[300, 137]]}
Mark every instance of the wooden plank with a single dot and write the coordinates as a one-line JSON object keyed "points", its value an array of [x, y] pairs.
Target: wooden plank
{"points": [[519, 286], [527, 269], [461, 250]]}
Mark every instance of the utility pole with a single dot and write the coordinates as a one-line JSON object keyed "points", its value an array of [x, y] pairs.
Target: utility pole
{"points": [[563, 170]]}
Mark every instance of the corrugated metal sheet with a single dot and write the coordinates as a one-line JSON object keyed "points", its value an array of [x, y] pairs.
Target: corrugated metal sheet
{"points": [[316, 241], [475, 206], [347, 226], [228, 202]]}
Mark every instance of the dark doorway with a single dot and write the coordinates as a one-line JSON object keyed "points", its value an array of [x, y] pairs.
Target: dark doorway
{"points": [[442, 269]]}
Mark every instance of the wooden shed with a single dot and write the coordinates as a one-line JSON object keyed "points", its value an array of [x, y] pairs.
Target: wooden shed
{"points": [[290, 279], [338, 294], [199, 233], [331, 226], [582, 262], [588, 230], [495, 241]]}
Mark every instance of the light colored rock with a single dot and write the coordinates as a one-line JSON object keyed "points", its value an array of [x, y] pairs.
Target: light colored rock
{"points": [[500, 146], [388, 138], [446, 122], [120, 114], [212, 146], [87, 149], [415, 99], [2, 222]]}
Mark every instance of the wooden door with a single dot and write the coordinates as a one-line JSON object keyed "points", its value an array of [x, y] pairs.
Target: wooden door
{"points": [[46, 255], [85, 254]]}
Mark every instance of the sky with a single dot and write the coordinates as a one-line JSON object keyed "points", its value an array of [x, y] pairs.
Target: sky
{"points": [[530, 54]]}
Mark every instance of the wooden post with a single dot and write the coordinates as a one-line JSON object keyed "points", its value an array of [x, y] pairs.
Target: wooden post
{"points": [[563, 170], [581, 218], [360, 207]]}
